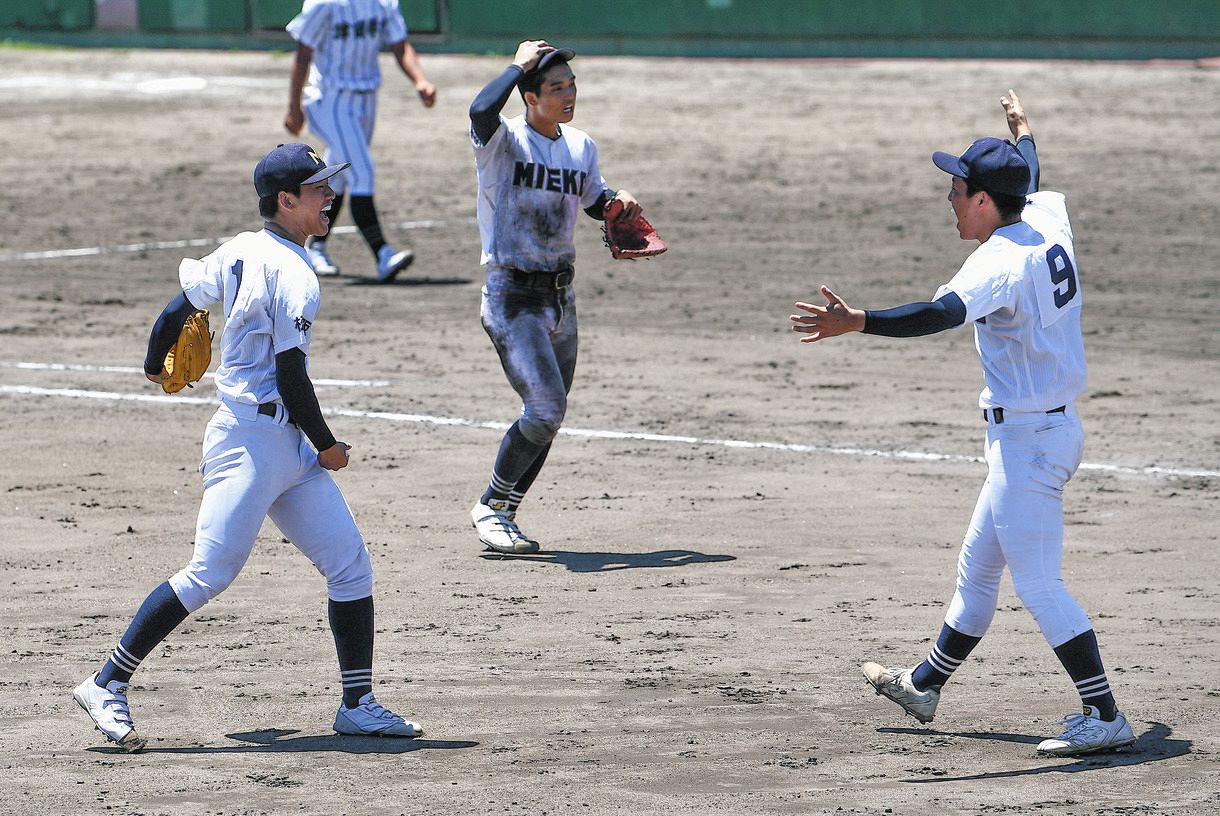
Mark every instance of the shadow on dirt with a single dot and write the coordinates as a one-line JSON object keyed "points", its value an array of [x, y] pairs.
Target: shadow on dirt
{"points": [[606, 562], [1154, 745], [280, 741], [409, 281]]}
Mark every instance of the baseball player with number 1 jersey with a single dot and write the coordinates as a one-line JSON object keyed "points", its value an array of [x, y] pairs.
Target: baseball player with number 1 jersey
{"points": [[257, 458], [338, 42], [536, 174], [1021, 291]]}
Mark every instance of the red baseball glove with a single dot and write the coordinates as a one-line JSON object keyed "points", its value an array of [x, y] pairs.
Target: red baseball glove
{"points": [[630, 238]]}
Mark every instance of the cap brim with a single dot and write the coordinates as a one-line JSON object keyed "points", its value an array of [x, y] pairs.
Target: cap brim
{"points": [[950, 164], [544, 62], [327, 172]]}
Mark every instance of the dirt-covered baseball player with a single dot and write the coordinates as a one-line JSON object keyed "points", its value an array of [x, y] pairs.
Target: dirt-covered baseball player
{"points": [[535, 175], [1021, 290], [337, 46], [257, 457]]}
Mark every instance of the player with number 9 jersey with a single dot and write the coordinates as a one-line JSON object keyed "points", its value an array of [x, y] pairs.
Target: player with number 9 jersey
{"points": [[1020, 290]]}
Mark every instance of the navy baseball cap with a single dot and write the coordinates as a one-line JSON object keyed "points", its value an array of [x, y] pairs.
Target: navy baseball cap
{"points": [[289, 166], [550, 57], [993, 164]]}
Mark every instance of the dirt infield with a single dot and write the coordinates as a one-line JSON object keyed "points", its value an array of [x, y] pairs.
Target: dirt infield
{"points": [[690, 640]]}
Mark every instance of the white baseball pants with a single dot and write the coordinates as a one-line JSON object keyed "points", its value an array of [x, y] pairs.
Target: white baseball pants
{"points": [[1018, 523], [256, 466]]}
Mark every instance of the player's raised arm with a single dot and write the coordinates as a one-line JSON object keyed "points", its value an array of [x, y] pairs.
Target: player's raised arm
{"points": [[1018, 123], [485, 110]]}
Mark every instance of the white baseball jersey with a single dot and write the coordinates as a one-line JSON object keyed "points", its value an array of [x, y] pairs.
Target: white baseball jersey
{"points": [[531, 190], [1021, 289], [346, 37], [271, 298]]}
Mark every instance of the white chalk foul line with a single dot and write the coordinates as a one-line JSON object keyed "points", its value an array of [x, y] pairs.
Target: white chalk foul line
{"points": [[27, 366], [635, 436], [79, 252]]}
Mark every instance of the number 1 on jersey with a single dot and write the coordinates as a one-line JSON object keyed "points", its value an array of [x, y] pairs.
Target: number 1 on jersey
{"points": [[231, 298], [1062, 273]]}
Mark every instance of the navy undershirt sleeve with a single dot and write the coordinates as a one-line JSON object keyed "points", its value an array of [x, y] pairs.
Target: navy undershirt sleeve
{"points": [[1029, 151], [485, 110], [917, 319], [165, 332], [597, 209], [299, 398]]}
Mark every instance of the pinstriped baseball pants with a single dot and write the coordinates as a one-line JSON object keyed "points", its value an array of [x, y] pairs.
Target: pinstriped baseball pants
{"points": [[344, 120]]}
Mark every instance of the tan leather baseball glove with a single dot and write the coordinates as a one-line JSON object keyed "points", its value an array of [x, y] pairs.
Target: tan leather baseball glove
{"points": [[191, 355]]}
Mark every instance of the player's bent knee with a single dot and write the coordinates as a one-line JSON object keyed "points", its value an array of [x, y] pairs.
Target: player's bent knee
{"points": [[541, 426], [354, 580], [1053, 608], [195, 588]]}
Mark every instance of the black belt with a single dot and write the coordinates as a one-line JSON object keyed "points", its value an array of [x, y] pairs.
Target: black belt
{"points": [[269, 408], [543, 280], [997, 414]]}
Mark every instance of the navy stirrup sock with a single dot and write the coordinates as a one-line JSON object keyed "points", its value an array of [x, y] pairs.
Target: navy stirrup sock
{"points": [[1082, 659], [159, 615], [365, 216], [952, 647], [517, 494], [351, 622], [516, 457]]}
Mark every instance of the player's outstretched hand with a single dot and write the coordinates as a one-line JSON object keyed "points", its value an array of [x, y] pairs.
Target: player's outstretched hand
{"points": [[294, 120], [153, 377], [831, 320], [1013, 110], [335, 457], [427, 93], [529, 52]]}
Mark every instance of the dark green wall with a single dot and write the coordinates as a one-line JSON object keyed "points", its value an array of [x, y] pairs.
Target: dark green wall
{"points": [[791, 28], [252, 15], [1081, 29], [816, 19], [53, 15]]}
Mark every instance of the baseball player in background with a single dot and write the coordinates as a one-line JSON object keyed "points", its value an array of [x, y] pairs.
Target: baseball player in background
{"points": [[1021, 291], [257, 459], [535, 174], [337, 46]]}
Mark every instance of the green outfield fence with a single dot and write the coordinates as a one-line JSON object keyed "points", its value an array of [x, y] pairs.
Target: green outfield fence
{"points": [[1085, 29]]}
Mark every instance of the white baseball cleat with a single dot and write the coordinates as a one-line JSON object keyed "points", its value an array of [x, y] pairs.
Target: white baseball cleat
{"points": [[896, 685], [322, 265], [107, 707], [1087, 733], [370, 718], [390, 263], [498, 529]]}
